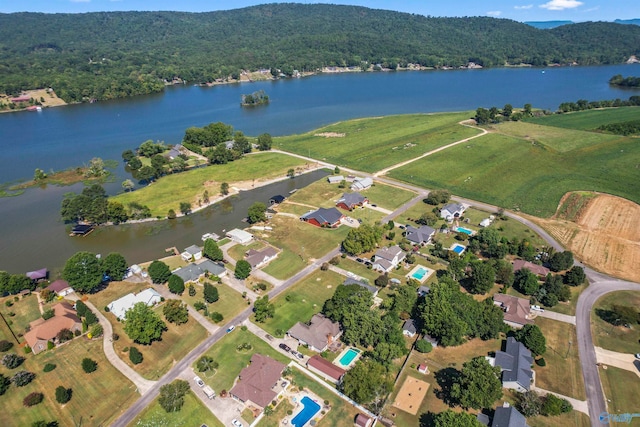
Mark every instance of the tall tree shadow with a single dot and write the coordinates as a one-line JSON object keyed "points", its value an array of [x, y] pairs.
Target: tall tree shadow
{"points": [[446, 378]]}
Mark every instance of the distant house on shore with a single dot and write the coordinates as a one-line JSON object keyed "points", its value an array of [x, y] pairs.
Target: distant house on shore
{"points": [[38, 274], [21, 98], [120, 306], [193, 272], [60, 287], [240, 236], [192, 252]]}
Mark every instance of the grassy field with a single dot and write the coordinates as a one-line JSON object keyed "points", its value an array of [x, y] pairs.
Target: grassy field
{"points": [[512, 172], [286, 265], [610, 336], [388, 197], [375, 143], [562, 373], [25, 309], [300, 302], [88, 401], [169, 191], [588, 120], [193, 413], [231, 361], [621, 388], [572, 419], [229, 304]]}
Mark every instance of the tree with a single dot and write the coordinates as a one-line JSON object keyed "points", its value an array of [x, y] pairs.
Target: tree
{"points": [[48, 314], [176, 284], [127, 155], [366, 382], [449, 418], [257, 213], [575, 276], [526, 282], [175, 311], [553, 405], [507, 110], [529, 403], [5, 346], [382, 280], [135, 164], [135, 356], [89, 365], [624, 314], [206, 364], [12, 360], [263, 309], [145, 173], [142, 324], [423, 346], [482, 278], [96, 167], [172, 395], [482, 116], [115, 266], [5, 382], [264, 142], [362, 239], [241, 143], [192, 290], [527, 110], [39, 175], [83, 271], [243, 269], [32, 399], [427, 218], [561, 261], [159, 272], [291, 173], [212, 251], [224, 188], [478, 385], [504, 272], [81, 308], [171, 214], [63, 394], [185, 208], [22, 378], [210, 293], [532, 338]]}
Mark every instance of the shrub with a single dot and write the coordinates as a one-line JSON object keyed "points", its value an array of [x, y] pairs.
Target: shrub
{"points": [[22, 378], [12, 360], [541, 362], [324, 266], [106, 309], [90, 318], [49, 367], [48, 314], [135, 356], [5, 345], [5, 382], [63, 395], [64, 335], [77, 333], [8, 303], [210, 293], [199, 305], [192, 291], [116, 337], [96, 330], [32, 399], [243, 328], [335, 260], [554, 405], [424, 346], [89, 365], [216, 317], [50, 345], [27, 349], [262, 286], [81, 308]]}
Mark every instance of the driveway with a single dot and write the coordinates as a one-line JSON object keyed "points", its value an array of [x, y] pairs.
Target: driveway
{"points": [[619, 360], [556, 316]]}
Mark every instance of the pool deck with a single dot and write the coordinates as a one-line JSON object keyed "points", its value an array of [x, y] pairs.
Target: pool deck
{"points": [[454, 245], [295, 397], [336, 361], [430, 271]]}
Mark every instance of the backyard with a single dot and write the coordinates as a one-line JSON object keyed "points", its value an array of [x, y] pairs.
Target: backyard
{"points": [[25, 310], [609, 335]]}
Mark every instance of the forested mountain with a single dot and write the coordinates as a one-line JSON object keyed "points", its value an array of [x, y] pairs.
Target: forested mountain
{"points": [[117, 54]]}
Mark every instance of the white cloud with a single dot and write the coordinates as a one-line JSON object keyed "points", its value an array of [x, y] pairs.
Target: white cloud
{"points": [[494, 13], [593, 9], [524, 7], [561, 4]]}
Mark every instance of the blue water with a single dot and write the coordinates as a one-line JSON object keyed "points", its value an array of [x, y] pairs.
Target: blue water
{"points": [[419, 273], [458, 249], [310, 409], [464, 230], [348, 357]]}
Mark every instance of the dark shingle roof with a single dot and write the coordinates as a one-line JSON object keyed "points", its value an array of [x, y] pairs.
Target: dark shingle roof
{"points": [[409, 326], [350, 281], [508, 416], [419, 235], [352, 199], [515, 363], [324, 215]]}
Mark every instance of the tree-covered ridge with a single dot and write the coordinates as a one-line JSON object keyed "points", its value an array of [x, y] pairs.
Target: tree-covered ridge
{"points": [[116, 54]]}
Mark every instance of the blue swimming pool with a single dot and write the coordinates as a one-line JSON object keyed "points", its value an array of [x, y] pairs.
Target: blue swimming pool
{"points": [[348, 357], [458, 249], [464, 230], [310, 409], [420, 273]]}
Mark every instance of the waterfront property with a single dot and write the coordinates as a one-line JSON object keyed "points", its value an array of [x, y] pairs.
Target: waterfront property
{"points": [[193, 252], [350, 201], [348, 357], [517, 311], [256, 383], [60, 287], [120, 306], [40, 274], [240, 236], [420, 273], [318, 334], [260, 258], [193, 272], [323, 217], [42, 331], [457, 248]]}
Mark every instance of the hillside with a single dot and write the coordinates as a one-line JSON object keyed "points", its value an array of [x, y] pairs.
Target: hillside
{"points": [[117, 54]]}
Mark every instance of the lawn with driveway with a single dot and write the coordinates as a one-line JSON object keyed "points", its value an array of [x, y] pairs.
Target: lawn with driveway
{"points": [[193, 413], [607, 333]]}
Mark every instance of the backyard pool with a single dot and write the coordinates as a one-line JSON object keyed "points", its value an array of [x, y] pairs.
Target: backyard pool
{"points": [[457, 248], [419, 273], [464, 230], [309, 410], [348, 357]]}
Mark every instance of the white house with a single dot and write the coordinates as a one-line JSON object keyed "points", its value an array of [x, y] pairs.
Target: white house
{"points": [[452, 211], [387, 258], [360, 184], [120, 306], [60, 287], [485, 222], [192, 251], [409, 328], [240, 236], [335, 179]]}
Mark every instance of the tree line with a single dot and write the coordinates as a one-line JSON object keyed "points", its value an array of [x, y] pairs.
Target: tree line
{"points": [[630, 81]]}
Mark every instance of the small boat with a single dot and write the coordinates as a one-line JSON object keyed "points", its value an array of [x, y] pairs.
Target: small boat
{"points": [[293, 191]]}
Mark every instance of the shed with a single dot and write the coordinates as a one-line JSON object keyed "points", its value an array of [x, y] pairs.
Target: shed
{"points": [[277, 199], [361, 184], [38, 274], [363, 420], [336, 179]]}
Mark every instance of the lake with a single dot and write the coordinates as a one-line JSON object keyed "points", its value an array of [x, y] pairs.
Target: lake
{"points": [[62, 137]]}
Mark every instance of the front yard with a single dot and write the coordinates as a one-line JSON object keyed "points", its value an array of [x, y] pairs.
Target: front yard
{"points": [[609, 335], [229, 304], [193, 413]]}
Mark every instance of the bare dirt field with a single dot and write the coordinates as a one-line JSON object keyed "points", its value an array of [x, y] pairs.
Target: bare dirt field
{"points": [[604, 233], [50, 98], [411, 395]]}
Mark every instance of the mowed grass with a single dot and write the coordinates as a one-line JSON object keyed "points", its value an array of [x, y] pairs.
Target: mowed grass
{"points": [[562, 373], [231, 361], [193, 413], [286, 265], [88, 400], [515, 174], [25, 311], [387, 196], [375, 143], [170, 190], [621, 388], [609, 336], [229, 304], [300, 302], [590, 119]]}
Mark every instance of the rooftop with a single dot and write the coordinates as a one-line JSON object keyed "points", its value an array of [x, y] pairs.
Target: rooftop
{"points": [[318, 333], [323, 365], [255, 382], [515, 363], [516, 310]]}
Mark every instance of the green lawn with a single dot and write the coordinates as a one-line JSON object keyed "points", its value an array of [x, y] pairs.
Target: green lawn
{"points": [[25, 310], [388, 197], [513, 173], [229, 304], [318, 194], [572, 419], [300, 302], [88, 400], [562, 373], [375, 143], [170, 190], [237, 251], [193, 413], [588, 120], [274, 420], [231, 361], [621, 388], [608, 335], [286, 265]]}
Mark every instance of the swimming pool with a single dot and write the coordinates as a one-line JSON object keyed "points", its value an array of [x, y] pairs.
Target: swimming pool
{"points": [[419, 273], [458, 248], [348, 357], [310, 409], [464, 230]]}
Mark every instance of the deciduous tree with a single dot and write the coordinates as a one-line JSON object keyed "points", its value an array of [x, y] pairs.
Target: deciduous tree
{"points": [[257, 213], [210, 293], [264, 142], [159, 272], [114, 265], [263, 309], [175, 311], [212, 251], [478, 385], [532, 338], [142, 324], [63, 394], [83, 271], [482, 277], [176, 284], [449, 418], [172, 395], [243, 269]]}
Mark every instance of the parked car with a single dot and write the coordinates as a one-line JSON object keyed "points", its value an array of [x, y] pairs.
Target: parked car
{"points": [[198, 381], [231, 328], [269, 337], [237, 423], [299, 355], [637, 355], [537, 308], [367, 263], [359, 260], [373, 205], [284, 347]]}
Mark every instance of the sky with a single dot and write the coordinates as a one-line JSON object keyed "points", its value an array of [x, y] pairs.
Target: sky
{"points": [[519, 10]]}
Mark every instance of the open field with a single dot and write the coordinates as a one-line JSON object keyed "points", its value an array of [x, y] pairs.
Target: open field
{"points": [[387, 196], [588, 120], [375, 143], [193, 413], [621, 389], [512, 172], [25, 309], [88, 401], [300, 302], [286, 265], [604, 234], [608, 335], [562, 373], [229, 304], [170, 190]]}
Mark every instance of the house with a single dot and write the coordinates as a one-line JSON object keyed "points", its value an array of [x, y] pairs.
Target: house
{"points": [[387, 258], [349, 281], [256, 382], [42, 331], [485, 222], [515, 365], [277, 199], [350, 201], [120, 306], [536, 269], [240, 236], [60, 287], [229, 144], [423, 368], [452, 211], [21, 98], [193, 272], [431, 340], [409, 328], [81, 229], [323, 217], [38, 274], [173, 152], [335, 179], [360, 184], [262, 257], [192, 252], [212, 267], [318, 334], [423, 290], [508, 416], [419, 236], [326, 369], [516, 310], [363, 420]]}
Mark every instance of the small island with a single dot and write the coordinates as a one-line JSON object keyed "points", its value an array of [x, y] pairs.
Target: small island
{"points": [[255, 98], [618, 80]]}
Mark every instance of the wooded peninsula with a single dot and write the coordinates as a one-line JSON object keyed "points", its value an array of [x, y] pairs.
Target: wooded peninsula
{"points": [[107, 55]]}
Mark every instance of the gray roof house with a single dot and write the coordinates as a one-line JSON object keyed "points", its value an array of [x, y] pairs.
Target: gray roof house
{"points": [[508, 416], [515, 364], [388, 258], [409, 328], [361, 184], [262, 257], [336, 179], [327, 217], [193, 251], [423, 290], [349, 201], [193, 272], [452, 211], [350, 281], [420, 235], [318, 334]]}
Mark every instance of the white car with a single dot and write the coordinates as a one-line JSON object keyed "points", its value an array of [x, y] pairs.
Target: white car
{"points": [[198, 381], [537, 308], [637, 355], [237, 423], [231, 328]]}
